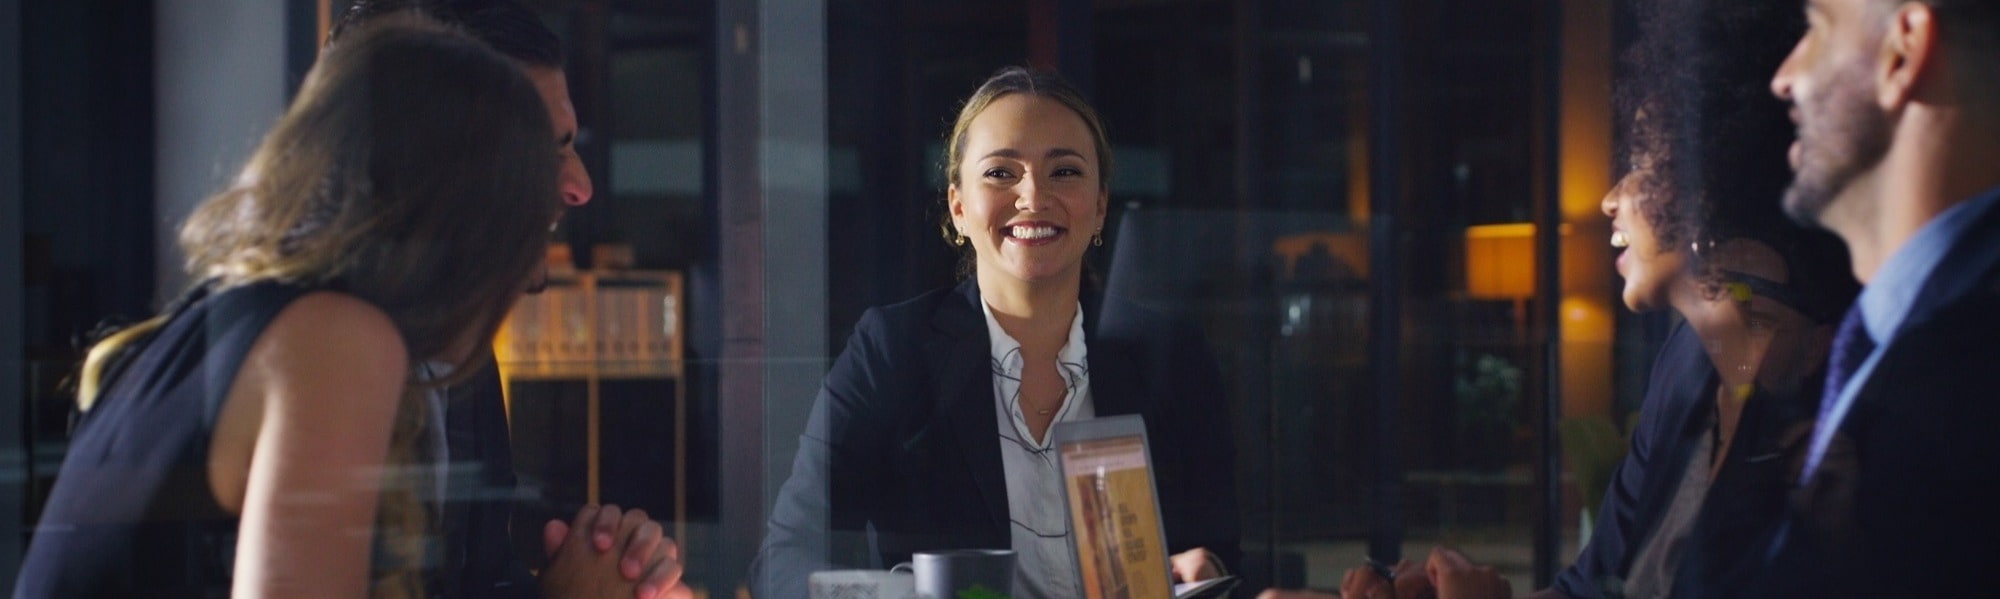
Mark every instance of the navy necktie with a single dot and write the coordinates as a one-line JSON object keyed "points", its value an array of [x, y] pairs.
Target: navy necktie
{"points": [[1851, 346]]}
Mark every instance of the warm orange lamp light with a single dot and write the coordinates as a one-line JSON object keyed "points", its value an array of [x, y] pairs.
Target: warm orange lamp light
{"points": [[1500, 261]]}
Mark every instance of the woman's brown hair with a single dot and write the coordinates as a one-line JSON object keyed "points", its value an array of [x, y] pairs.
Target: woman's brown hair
{"points": [[415, 170]]}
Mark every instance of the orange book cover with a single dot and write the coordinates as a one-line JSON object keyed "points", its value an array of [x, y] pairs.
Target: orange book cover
{"points": [[1115, 517]]}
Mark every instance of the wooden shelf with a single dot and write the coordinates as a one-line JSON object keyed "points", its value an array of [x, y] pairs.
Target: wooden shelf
{"points": [[600, 326]]}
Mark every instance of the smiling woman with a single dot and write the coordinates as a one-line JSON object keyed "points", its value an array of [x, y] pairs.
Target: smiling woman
{"points": [[1040, 109], [1697, 224], [931, 429], [1031, 202], [1698, 219]]}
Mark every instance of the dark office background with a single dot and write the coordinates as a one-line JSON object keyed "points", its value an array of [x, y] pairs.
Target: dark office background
{"points": [[1264, 190]]}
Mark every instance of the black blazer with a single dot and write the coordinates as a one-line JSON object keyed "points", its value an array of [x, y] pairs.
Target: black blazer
{"points": [[1675, 417], [476, 553], [1915, 510], [899, 453], [1642, 486]]}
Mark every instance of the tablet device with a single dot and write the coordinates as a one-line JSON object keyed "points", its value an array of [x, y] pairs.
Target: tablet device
{"points": [[1121, 548]]}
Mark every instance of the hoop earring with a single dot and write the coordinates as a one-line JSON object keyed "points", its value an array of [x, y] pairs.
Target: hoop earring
{"points": [[1097, 239]]}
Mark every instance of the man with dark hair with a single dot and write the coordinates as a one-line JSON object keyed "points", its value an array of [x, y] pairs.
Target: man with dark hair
{"points": [[1898, 114], [476, 557], [516, 32]]}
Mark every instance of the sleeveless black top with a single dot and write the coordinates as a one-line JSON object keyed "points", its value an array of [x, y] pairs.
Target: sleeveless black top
{"points": [[131, 513]]}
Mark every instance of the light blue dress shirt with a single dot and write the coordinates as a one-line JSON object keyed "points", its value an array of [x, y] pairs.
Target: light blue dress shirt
{"points": [[1888, 300]]}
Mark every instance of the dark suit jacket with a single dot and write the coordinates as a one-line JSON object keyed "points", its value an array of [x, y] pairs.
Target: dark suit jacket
{"points": [[1643, 483], [900, 455], [1676, 417], [1915, 512], [478, 558]]}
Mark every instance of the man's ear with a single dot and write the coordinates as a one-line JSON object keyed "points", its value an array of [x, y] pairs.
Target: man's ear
{"points": [[1909, 55]]}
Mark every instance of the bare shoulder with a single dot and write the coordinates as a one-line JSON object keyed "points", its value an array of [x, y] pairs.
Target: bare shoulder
{"points": [[324, 375], [330, 341], [325, 378]]}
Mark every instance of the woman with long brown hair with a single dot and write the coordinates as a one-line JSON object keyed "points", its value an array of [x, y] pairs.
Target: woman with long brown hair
{"points": [[272, 432]]}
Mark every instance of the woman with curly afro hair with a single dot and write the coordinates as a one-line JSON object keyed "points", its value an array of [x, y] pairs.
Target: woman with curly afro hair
{"points": [[1699, 231]]}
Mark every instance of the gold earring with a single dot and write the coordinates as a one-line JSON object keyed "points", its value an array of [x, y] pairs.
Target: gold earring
{"points": [[961, 241]]}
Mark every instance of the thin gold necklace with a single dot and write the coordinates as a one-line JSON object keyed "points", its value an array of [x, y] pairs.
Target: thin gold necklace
{"points": [[1044, 411]]}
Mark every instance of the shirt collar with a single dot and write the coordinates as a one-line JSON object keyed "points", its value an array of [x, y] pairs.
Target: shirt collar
{"points": [[1886, 301], [1002, 345], [434, 370]]}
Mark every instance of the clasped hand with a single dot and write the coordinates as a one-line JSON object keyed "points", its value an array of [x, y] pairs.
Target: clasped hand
{"points": [[1446, 574], [582, 563]]}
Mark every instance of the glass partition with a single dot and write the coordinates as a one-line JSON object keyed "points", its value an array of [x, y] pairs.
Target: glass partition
{"points": [[1398, 298]]}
